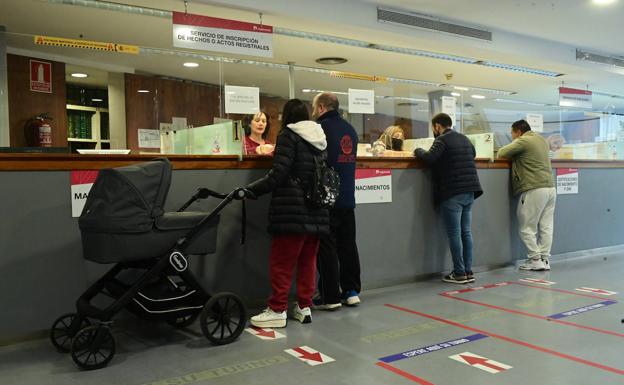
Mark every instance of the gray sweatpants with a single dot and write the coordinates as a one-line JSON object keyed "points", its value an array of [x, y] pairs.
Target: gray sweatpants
{"points": [[536, 210]]}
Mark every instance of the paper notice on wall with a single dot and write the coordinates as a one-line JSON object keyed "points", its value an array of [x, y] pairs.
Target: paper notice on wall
{"points": [[536, 121], [373, 186], [149, 138], [221, 35], [567, 181], [81, 183], [242, 100], [449, 107], [361, 101]]}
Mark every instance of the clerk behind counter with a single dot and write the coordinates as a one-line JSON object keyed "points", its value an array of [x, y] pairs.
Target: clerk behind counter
{"points": [[257, 128], [390, 143]]}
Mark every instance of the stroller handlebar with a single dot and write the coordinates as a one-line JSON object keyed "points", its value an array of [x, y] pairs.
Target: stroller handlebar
{"points": [[203, 193]]}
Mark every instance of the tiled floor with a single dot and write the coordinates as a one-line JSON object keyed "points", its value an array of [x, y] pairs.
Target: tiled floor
{"points": [[425, 333]]}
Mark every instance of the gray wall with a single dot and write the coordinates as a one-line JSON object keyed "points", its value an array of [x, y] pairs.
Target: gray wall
{"points": [[42, 271]]}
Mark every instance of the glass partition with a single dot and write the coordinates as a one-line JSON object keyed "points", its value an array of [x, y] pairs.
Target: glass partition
{"points": [[161, 99]]}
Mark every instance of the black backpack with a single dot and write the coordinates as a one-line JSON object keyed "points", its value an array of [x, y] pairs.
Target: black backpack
{"points": [[324, 186]]}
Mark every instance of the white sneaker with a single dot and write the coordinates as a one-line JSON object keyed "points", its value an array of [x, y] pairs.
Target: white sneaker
{"points": [[546, 263], [269, 319], [302, 315], [532, 264], [350, 298]]}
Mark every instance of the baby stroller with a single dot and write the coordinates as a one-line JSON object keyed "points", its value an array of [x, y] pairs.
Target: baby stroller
{"points": [[123, 222]]}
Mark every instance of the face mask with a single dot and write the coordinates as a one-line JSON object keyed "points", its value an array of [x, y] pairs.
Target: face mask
{"points": [[397, 144]]}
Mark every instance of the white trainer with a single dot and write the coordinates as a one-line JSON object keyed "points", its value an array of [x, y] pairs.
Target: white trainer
{"points": [[269, 319], [302, 315], [546, 263], [533, 265]]}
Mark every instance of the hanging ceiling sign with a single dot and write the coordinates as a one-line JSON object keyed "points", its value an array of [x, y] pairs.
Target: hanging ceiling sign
{"points": [[572, 97], [86, 44], [221, 35]]}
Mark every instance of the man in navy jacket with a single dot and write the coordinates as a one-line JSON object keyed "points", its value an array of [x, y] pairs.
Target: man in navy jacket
{"points": [[338, 260], [455, 187]]}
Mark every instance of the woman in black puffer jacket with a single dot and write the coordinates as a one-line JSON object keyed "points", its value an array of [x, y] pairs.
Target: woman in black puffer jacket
{"points": [[295, 225]]}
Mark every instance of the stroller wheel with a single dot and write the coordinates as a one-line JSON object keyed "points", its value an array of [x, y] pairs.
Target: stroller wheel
{"points": [[93, 347], [64, 329], [223, 318], [184, 321]]}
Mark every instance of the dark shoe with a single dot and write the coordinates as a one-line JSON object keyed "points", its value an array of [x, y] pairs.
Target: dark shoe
{"points": [[452, 278], [470, 277], [318, 304]]}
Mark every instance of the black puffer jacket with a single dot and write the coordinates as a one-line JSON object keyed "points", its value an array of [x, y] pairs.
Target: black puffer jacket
{"points": [[452, 158], [293, 159]]}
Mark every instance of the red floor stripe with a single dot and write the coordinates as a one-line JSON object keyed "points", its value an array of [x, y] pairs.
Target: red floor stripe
{"points": [[513, 341], [404, 374], [559, 290], [603, 331]]}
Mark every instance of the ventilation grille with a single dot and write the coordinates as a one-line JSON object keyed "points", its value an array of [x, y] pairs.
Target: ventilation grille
{"points": [[420, 21], [602, 59]]}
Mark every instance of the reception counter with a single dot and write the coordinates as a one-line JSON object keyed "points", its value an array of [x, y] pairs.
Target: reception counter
{"points": [[43, 271]]}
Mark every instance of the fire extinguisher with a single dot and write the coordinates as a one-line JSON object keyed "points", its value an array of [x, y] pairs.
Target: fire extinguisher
{"points": [[38, 131]]}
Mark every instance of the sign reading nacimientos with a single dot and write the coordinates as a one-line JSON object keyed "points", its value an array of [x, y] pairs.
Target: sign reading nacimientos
{"points": [[221, 35], [86, 44]]}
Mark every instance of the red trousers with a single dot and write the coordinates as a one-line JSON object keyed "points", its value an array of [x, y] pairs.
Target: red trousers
{"points": [[287, 253]]}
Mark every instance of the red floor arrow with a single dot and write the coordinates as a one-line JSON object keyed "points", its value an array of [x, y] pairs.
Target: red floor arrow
{"points": [[264, 333], [309, 356], [481, 361]]}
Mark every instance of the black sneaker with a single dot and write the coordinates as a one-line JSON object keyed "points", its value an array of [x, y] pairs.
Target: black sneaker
{"points": [[470, 277], [452, 278]]}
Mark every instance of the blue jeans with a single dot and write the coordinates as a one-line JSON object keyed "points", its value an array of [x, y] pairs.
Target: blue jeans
{"points": [[457, 214]]}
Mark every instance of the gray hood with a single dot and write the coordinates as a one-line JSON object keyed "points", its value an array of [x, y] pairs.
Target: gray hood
{"points": [[311, 132]]}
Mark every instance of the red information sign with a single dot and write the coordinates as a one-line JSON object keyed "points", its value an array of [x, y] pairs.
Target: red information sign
{"points": [[40, 76]]}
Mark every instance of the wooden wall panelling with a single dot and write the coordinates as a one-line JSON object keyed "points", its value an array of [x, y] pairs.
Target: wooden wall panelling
{"points": [[24, 103]]}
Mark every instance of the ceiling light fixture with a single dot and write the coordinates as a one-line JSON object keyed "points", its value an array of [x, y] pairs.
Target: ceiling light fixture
{"points": [[331, 60], [96, 100], [603, 2], [461, 88], [456, 94], [191, 65], [143, 91], [79, 75], [477, 96]]}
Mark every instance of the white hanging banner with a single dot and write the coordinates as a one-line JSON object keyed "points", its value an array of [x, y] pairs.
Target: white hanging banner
{"points": [[572, 97], [449, 107], [221, 35], [242, 100], [536, 121], [361, 101]]}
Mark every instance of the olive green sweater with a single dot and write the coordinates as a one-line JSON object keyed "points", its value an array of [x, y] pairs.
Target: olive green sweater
{"points": [[531, 165]]}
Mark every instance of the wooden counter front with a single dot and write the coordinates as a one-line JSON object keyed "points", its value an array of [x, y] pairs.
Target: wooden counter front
{"points": [[59, 162]]}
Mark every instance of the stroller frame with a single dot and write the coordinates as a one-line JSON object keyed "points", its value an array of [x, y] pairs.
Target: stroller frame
{"points": [[223, 316]]}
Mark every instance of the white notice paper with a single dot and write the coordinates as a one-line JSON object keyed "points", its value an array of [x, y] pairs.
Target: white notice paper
{"points": [[149, 138], [242, 100], [449, 107], [361, 101], [536, 121]]}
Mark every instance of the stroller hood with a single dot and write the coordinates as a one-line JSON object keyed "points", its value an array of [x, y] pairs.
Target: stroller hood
{"points": [[127, 199]]}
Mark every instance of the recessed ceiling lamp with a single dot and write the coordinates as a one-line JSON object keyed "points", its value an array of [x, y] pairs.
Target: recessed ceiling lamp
{"points": [[461, 88], [191, 65], [143, 91], [456, 94], [79, 75], [96, 100], [603, 2], [478, 96], [331, 60]]}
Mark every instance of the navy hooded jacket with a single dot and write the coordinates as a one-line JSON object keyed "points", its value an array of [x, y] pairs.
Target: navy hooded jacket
{"points": [[342, 144]]}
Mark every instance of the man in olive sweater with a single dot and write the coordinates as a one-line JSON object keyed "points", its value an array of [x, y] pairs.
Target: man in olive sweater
{"points": [[532, 180]]}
